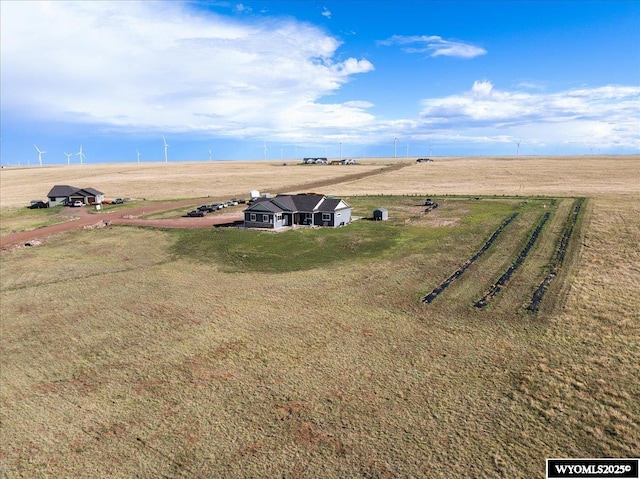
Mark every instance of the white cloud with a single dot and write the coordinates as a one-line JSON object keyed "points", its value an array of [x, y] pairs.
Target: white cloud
{"points": [[161, 66], [326, 12], [435, 46], [482, 89], [608, 116], [240, 8]]}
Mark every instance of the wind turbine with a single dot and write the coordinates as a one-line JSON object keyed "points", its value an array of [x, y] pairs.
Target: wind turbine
{"points": [[40, 153], [518, 150], [265, 150], [209, 155], [166, 152], [69, 155], [340, 150], [138, 154], [395, 148], [80, 154]]}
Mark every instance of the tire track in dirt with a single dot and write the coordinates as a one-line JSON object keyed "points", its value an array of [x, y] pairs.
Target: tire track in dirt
{"points": [[87, 219]]}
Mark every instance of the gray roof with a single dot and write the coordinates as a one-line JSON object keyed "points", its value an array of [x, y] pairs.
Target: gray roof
{"points": [[330, 204], [92, 191], [285, 202], [265, 206], [63, 191], [306, 202]]}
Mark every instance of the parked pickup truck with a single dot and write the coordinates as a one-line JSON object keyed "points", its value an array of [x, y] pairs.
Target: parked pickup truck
{"points": [[196, 213]]}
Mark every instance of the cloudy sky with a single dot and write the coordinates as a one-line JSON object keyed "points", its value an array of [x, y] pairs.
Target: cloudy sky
{"points": [[285, 79]]}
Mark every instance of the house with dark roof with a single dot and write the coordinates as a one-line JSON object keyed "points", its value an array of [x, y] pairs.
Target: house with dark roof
{"points": [[309, 209], [64, 194]]}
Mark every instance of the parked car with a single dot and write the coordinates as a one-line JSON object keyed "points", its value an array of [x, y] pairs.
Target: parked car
{"points": [[118, 201], [196, 213], [76, 203], [38, 204]]}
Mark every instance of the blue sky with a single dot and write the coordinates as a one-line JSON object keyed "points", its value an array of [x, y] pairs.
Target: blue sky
{"points": [[288, 79]]}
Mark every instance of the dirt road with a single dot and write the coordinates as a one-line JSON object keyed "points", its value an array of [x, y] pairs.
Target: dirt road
{"points": [[80, 218]]}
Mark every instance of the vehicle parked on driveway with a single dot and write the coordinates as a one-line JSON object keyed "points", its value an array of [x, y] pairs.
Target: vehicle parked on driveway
{"points": [[37, 205], [118, 201], [197, 213], [76, 203]]}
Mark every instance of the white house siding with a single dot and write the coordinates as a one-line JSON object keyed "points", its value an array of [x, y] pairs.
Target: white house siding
{"points": [[57, 201]]}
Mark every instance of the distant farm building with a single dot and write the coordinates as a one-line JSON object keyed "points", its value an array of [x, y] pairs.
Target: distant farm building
{"points": [[380, 214], [316, 161], [308, 209], [64, 194]]}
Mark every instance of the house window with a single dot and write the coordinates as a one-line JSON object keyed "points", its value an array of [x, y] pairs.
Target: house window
{"points": [[265, 219], [253, 216], [326, 216], [278, 217]]}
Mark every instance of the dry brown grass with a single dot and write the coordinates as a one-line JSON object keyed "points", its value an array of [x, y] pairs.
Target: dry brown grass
{"points": [[119, 360], [157, 181], [523, 176]]}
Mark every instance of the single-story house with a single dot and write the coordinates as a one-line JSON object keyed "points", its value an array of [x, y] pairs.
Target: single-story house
{"points": [[309, 209], [63, 194]]}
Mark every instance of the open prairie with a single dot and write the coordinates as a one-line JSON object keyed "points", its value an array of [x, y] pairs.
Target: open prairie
{"points": [[146, 352]]}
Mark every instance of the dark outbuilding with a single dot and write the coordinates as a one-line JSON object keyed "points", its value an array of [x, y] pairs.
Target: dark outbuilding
{"points": [[380, 214]]}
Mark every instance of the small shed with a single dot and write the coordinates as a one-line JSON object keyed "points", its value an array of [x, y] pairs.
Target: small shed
{"points": [[380, 214]]}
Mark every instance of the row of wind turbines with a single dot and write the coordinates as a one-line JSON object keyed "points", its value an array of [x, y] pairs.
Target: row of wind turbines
{"points": [[166, 151], [83, 156], [69, 155]]}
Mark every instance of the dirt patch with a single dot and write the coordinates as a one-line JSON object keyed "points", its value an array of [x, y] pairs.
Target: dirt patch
{"points": [[436, 222]]}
